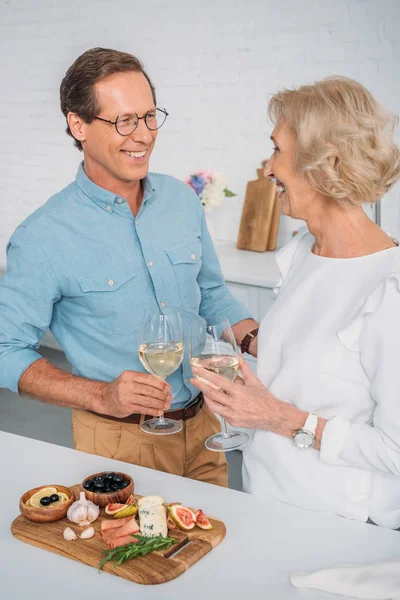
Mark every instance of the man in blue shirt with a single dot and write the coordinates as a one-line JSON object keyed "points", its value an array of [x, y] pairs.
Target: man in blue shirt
{"points": [[116, 242]]}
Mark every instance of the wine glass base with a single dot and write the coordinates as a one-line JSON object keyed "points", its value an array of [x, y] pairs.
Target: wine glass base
{"points": [[164, 427], [221, 442]]}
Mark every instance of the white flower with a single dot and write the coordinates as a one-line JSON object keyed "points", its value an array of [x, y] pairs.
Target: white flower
{"points": [[219, 180], [212, 196]]}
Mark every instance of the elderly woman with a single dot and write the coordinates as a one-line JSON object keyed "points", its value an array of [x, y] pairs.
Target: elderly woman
{"points": [[326, 404]]}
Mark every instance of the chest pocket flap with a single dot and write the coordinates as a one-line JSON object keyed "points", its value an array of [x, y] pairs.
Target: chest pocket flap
{"points": [[185, 253], [107, 279]]}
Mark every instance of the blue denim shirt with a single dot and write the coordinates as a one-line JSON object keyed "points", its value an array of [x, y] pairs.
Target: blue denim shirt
{"points": [[84, 266]]}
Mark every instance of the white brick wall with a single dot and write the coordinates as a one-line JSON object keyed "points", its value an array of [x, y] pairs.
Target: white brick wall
{"points": [[214, 63]]}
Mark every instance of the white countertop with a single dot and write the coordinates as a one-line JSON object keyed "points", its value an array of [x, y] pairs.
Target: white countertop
{"points": [[265, 540], [246, 267]]}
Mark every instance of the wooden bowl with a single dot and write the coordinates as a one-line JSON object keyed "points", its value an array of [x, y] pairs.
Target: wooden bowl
{"points": [[47, 513], [102, 499]]}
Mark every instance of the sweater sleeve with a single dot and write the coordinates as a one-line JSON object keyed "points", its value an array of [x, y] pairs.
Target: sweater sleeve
{"points": [[374, 332]]}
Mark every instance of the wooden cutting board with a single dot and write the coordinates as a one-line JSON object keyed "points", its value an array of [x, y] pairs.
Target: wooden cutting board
{"points": [[258, 213], [157, 567]]}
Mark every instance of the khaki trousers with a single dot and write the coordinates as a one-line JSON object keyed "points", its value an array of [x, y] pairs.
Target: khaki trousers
{"points": [[181, 454]]}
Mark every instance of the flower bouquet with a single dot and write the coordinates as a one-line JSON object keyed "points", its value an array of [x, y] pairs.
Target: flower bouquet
{"points": [[210, 187]]}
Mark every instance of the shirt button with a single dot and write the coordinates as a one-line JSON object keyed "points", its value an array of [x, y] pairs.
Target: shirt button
{"points": [[119, 201], [111, 282], [162, 304], [193, 256], [137, 221], [108, 207], [150, 264]]}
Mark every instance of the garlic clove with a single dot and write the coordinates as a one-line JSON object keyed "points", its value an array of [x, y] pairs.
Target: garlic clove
{"points": [[83, 512], [87, 533], [69, 534]]}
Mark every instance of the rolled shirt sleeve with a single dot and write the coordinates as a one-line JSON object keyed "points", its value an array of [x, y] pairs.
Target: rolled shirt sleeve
{"points": [[28, 292], [216, 299], [374, 446]]}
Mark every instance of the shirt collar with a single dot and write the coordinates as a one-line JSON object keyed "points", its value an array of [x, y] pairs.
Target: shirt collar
{"points": [[104, 198]]}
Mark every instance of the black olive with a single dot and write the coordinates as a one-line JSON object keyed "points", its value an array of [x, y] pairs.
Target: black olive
{"points": [[115, 487], [54, 498], [88, 484], [118, 478], [110, 475], [124, 483], [99, 485], [45, 501], [99, 478]]}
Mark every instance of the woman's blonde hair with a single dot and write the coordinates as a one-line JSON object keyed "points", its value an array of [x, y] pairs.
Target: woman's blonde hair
{"points": [[344, 143]]}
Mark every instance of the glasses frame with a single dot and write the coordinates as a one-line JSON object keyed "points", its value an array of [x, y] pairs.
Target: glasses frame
{"points": [[115, 123]]}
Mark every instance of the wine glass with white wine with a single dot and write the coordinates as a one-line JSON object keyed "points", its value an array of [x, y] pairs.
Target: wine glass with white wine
{"points": [[161, 353], [212, 346]]}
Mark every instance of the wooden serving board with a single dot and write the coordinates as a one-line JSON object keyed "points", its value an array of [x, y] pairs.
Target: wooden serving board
{"points": [[157, 567], [258, 215]]}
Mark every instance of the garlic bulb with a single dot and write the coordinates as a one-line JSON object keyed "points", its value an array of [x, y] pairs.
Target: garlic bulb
{"points": [[69, 534], [87, 533], [83, 511]]}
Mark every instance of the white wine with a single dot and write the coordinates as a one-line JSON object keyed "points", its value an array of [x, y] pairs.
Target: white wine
{"points": [[223, 364], [161, 358]]}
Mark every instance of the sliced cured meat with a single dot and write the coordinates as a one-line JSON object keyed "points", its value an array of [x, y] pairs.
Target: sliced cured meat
{"points": [[127, 529], [122, 541], [114, 523]]}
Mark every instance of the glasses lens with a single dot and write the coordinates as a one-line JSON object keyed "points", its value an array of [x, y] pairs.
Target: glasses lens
{"points": [[125, 125], [156, 118]]}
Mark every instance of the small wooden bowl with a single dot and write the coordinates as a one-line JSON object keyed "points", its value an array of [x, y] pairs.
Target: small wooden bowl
{"points": [[47, 513], [102, 499]]}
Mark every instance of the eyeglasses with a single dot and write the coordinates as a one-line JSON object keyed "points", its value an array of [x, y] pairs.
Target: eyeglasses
{"points": [[153, 119]]}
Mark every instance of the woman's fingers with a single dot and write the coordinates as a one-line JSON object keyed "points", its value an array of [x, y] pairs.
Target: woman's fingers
{"points": [[215, 394], [217, 380], [217, 408], [246, 371]]}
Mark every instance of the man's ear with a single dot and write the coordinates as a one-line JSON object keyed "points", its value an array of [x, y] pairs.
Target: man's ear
{"points": [[77, 126]]}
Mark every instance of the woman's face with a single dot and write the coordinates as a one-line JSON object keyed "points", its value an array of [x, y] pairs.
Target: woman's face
{"points": [[295, 194]]}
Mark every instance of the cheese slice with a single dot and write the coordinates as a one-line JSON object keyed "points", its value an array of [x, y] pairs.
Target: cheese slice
{"points": [[152, 516]]}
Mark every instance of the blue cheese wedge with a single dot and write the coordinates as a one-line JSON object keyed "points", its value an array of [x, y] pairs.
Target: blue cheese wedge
{"points": [[152, 516]]}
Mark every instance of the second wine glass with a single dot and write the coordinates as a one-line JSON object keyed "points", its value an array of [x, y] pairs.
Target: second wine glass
{"points": [[161, 353], [212, 346]]}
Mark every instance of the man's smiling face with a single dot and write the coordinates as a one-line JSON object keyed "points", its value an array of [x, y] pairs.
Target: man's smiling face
{"points": [[110, 158]]}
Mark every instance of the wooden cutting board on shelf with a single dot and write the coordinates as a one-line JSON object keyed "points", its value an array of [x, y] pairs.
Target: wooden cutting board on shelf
{"points": [[157, 567], [260, 216]]}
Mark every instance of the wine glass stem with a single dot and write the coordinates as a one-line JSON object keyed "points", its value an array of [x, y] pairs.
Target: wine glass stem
{"points": [[225, 432], [161, 418]]}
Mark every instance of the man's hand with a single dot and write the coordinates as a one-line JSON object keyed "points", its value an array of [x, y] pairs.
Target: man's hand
{"points": [[135, 392]]}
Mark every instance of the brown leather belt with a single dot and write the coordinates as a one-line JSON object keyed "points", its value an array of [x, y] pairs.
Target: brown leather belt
{"points": [[181, 414]]}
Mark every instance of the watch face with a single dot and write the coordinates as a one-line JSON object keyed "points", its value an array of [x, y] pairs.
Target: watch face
{"points": [[303, 439]]}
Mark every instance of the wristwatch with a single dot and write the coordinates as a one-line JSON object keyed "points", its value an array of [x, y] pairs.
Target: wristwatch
{"points": [[248, 338], [305, 437]]}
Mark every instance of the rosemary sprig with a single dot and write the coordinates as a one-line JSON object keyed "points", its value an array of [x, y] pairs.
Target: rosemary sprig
{"points": [[134, 549]]}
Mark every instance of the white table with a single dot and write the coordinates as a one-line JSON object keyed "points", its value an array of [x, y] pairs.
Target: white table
{"points": [[265, 540]]}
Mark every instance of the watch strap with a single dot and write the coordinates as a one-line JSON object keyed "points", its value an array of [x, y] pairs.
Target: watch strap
{"points": [[248, 338], [311, 424]]}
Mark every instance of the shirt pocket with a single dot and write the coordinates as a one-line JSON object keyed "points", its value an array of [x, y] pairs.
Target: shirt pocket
{"points": [[114, 296], [186, 263]]}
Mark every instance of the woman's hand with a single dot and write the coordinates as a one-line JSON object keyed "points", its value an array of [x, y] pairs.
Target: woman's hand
{"points": [[244, 403]]}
